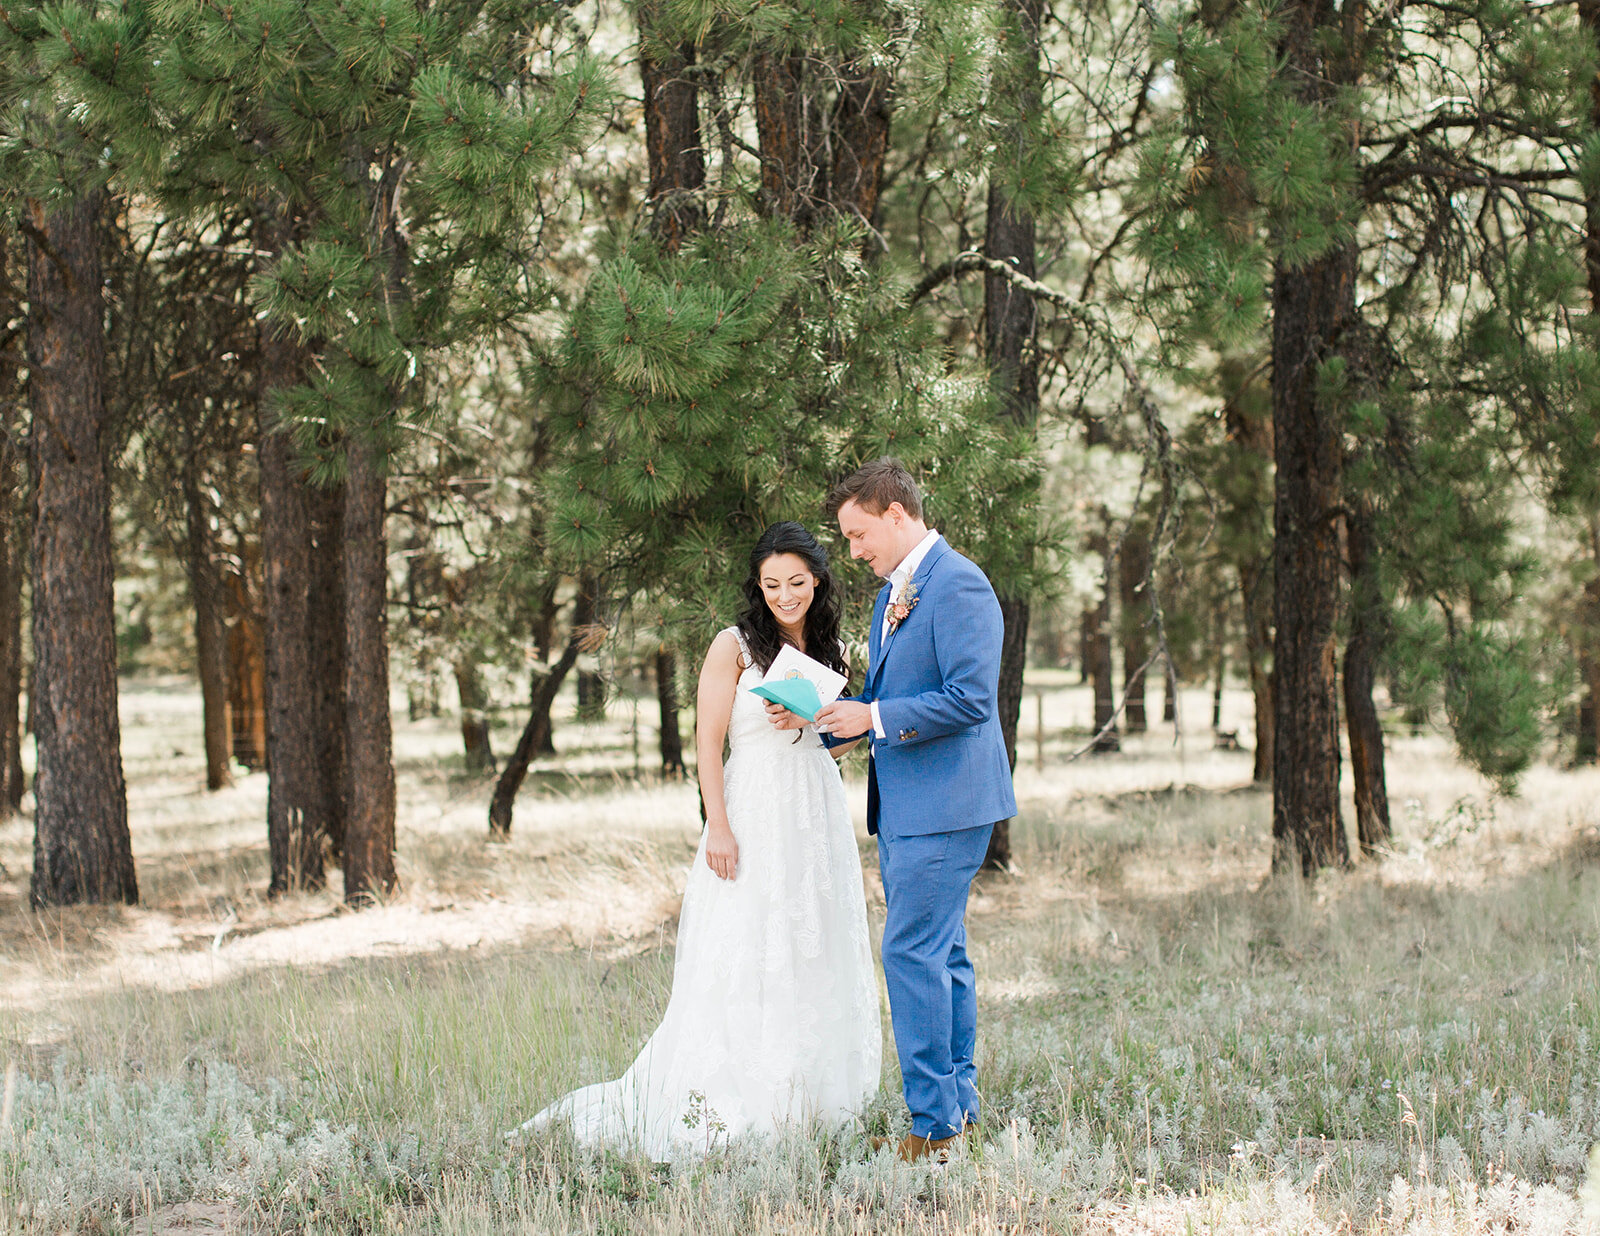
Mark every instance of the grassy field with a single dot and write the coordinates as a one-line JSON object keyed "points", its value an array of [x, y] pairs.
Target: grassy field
{"points": [[1170, 1042]]}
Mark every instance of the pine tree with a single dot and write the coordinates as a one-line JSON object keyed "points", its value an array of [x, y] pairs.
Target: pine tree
{"points": [[395, 155], [54, 188], [1297, 129], [706, 387]]}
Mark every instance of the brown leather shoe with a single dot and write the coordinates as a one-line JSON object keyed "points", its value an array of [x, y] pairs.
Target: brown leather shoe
{"points": [[939, 1149]]}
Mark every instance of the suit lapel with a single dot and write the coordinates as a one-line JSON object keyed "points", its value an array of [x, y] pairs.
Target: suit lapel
{"points": [[875, 635], [919, 578]]}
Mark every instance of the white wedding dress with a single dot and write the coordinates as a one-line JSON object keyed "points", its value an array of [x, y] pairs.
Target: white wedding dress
{"points": [[773, 1017]]}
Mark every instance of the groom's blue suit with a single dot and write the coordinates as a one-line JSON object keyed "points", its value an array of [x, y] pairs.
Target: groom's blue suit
{"points": [[937, 782]]}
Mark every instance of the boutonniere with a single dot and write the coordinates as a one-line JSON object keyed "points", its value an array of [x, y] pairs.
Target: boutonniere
{"points": [[900, 608]]}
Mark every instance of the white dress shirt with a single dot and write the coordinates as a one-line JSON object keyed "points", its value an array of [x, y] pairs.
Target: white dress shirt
{"points": [[897, 581]]}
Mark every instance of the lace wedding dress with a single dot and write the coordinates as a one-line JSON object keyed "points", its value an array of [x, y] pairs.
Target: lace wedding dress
{"points": [[773, 1016]]}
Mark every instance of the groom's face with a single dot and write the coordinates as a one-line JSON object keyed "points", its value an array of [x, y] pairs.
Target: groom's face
{"points": [[878, 540]]}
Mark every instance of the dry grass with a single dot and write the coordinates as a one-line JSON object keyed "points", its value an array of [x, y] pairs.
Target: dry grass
{"points": [[1170, 1040]]}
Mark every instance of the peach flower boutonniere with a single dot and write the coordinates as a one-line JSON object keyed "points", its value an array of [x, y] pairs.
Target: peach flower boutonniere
{"points": [[900, 607]]}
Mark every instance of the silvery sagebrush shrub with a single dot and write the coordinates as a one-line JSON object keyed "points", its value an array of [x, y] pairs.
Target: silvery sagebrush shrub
{"points": [[98, 1144]]}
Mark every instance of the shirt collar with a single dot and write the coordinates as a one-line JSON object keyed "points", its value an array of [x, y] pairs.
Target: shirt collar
{"points": [[908, 566]]}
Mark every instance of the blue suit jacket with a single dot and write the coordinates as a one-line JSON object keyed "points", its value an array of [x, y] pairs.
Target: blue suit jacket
{"points": [[942, 764]]}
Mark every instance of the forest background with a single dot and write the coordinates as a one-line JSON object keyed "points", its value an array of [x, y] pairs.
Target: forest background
{"points": [[452, 354]]}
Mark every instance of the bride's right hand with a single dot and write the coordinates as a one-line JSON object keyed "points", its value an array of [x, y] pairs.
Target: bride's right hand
{"points": [[722, 852]]}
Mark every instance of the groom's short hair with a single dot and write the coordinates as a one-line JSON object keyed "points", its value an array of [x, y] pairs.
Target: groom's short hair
{"points": [[876, 484]]}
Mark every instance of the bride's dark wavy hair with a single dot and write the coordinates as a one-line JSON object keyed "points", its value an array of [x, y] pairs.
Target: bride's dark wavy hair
{"points": [[757, 623]]}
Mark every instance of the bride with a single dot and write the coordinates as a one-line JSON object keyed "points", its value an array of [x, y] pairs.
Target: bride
{"points": [[773, 1016]]}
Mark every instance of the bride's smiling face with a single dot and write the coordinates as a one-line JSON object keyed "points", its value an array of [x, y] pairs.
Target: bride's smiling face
{"points": [[789, 586]]}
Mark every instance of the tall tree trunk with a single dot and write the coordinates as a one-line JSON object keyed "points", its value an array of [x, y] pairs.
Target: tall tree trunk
{"points": [[1588, 648], [535, 735], [295, 797], [667, 703], [1258, 643], [1010, 344], [544, 633], [13, 546], [247, 665], [671, 130], [210, 629], [82, 850], [474, 715], [368, 855], [677, 173], [591, 686], [1100, 661], [13, 543], [1361, 652], [1133, 566], [1169, 695], [791, 186], [325, 656], [1218, 679], [1589, 638], [1312, 307], [860, 139]]}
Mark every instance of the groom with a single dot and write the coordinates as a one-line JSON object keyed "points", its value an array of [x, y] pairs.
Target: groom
{"points": [[937, 781]]}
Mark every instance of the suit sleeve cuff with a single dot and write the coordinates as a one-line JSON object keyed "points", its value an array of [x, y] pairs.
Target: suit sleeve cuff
{"points": [[877, 722]]}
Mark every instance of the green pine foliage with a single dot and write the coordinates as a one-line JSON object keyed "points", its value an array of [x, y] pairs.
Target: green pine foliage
{"points": [[1454, 170], [704, 395], [413, 141]]}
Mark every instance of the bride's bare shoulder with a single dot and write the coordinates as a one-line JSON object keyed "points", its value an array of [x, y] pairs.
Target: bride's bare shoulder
{"points": [[726, 651]]}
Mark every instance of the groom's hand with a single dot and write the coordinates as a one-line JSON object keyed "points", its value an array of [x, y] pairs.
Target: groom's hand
{"points": [[845, 719], [783, 718]]}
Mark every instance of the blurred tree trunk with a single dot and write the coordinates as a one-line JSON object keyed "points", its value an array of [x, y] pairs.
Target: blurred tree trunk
{"points": [[1363, 647], [325, 656], [671, 131], [1312, 308], [247, 665], [790, 185], [295, 792], [474, 716], [1588, 648], [535, 735], [591, 685], [13, 546], [1589, 638], [1258, 643], [1219, 675], [667, 702], [82, 851], [1010, 344], [545, 639], [1097, 622], [677, 174], [368, 754], [1169, 695], [210, 627], [860, 139], [1133, 566], [1247, 415], [369, 802]]}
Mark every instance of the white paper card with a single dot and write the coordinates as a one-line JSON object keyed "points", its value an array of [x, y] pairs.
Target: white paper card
{"points": [[792, 663]]}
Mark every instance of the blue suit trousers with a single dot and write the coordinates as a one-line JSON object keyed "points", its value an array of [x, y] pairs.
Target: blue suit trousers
{"points": [[933, 998]]}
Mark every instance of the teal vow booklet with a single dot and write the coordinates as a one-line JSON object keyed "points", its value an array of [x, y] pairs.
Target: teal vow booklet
{"points": [[800, 683], [798, 695]]}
